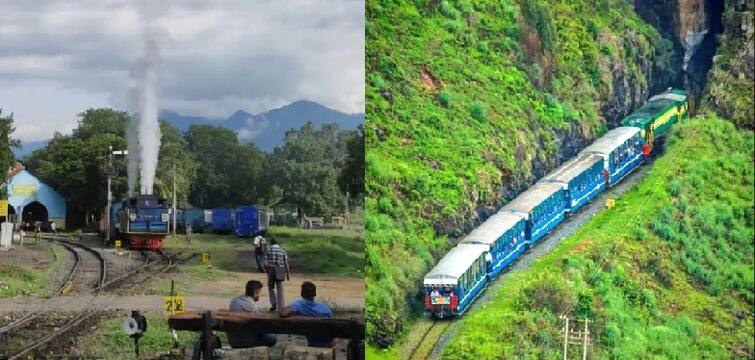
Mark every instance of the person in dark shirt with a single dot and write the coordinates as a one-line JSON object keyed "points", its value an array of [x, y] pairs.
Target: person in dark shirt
{"points": [[248, 303], [307, 306]]}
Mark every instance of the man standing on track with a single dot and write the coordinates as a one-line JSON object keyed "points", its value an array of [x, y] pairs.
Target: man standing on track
{"points": [[276, 266], [259, 249]]}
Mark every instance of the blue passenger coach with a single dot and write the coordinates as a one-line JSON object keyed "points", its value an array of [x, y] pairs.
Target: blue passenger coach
{"points": [[250, 221], [457, 279], [543, 207], [621, 150], [223, 220], [581, 178], [503, 235]]}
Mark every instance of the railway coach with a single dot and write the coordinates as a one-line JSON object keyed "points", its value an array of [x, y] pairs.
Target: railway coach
{"points": [[503, 236], [543, 208], [621, 151], [457, 279], [581, 178]]}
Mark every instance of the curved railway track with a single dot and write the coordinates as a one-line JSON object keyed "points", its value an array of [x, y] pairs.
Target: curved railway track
{"points": [[124, 281]]}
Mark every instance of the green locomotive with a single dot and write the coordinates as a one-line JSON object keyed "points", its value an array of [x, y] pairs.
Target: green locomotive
{"points": [[657, 116]]}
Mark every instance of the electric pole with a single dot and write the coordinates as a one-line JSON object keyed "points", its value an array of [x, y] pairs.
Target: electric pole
{"points": [[573, 336], [175, 215]]}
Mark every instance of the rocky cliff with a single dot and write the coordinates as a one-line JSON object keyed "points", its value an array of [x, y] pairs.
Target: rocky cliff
{"points": [[730, 89]]}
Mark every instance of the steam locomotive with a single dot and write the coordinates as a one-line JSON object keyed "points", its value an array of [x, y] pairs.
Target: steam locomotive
{"points": [[141, 222]]}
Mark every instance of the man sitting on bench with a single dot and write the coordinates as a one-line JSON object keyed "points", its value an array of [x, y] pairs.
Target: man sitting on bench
{"points": [[308, 307], [248, 303]]}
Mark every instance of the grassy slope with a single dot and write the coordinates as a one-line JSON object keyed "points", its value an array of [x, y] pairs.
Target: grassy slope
{"points": [[667, 273], [477, 91]]}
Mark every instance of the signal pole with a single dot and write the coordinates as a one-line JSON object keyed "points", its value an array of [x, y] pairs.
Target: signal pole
{"points": [[109, 193], [175, 215], [110, 154]]}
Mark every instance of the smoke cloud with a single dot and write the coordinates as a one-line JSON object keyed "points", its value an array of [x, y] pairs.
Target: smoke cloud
{"points": [[144, 129]]}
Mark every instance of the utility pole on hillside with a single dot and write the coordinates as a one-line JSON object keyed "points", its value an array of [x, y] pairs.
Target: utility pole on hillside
{"points": [[573, 336]]}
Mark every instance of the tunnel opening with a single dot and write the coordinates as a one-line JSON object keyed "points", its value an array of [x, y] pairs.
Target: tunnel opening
{"points": [[34, 212], [693, 51], [701, 59]]}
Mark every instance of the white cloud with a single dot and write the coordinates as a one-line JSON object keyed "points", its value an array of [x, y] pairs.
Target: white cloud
{"points": [[216, 57]]}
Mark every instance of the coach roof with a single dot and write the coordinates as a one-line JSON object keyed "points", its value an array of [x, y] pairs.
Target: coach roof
{"points": [[454, 264]]}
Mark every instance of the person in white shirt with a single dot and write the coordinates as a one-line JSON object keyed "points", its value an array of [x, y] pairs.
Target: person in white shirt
{"points": [[259, 250]]}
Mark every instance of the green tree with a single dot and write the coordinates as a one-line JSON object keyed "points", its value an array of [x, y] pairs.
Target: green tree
{"points": [[76, 165], [227, 173], [352, 175], [174, 150], [7, 143], [304, 172]]}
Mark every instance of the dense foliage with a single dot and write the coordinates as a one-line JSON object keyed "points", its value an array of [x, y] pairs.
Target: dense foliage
{"points": [[467, 98], [731, 84], [667, 273], [212, 169], [6, 151]]}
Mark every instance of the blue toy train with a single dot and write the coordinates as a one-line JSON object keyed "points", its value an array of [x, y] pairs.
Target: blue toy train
{"points": [[461, 275], [143, 221]]}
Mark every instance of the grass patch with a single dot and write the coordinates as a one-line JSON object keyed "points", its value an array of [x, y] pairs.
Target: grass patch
{"points": [[26, 280], [327, 251], [683, 288], [110, 342]]}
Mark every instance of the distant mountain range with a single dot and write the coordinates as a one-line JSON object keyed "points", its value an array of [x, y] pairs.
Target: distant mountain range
{"points": [[266, 129]]}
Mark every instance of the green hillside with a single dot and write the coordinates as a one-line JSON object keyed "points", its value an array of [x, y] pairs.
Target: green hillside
{"points": [[667, 273], [465, 99]]}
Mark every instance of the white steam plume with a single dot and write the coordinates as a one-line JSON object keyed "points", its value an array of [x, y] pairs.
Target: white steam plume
{"points": [[144, 128], [149, 128]]}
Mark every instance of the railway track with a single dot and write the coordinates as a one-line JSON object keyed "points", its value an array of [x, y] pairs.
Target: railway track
{"points": [[424, 348], [93, 306]]}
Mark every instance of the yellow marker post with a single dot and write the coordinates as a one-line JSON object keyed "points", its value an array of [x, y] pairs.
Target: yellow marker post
{"points": [[207, 260], [610, 203], [118, 244], [173, 305]]}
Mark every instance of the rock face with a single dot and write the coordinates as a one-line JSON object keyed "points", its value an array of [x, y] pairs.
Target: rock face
{"points": [[692, 26], [730, 88]]}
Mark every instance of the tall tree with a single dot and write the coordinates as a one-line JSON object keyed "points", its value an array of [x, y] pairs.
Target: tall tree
{"points": [[76, 165], [7, 143], [227, 172], [174, 151], [352, 174], [304, 172]]}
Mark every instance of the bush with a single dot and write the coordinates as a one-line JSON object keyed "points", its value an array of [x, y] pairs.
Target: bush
{"points": [[478, 111], [377, 81], [445, 98]]}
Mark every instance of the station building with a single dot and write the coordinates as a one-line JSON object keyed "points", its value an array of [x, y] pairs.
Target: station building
{"points": [[29, 199]]}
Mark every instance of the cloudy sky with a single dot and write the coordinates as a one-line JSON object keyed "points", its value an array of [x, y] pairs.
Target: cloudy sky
{"points": [[58, 58]]}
